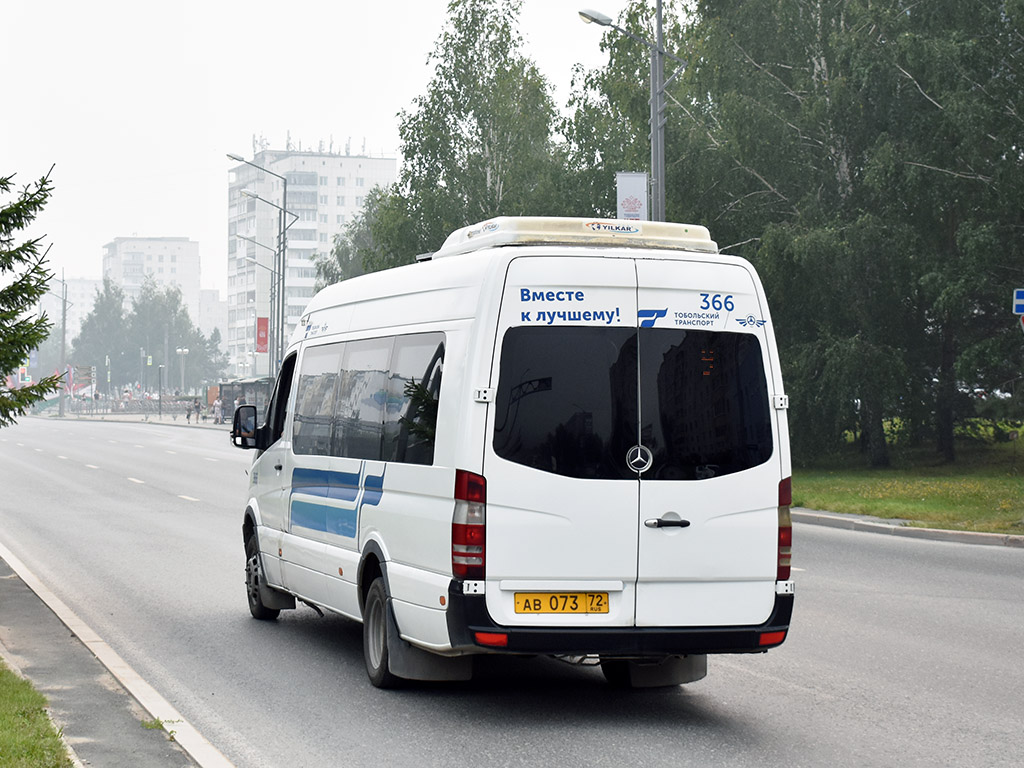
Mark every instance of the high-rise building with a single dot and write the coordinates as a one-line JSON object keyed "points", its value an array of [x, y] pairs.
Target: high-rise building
{"points": [[325, 191], [172, 262], [213, 314]]}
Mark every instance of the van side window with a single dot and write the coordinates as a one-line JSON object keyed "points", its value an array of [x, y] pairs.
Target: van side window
{"points": [[414, 385], [314, 400], [278, 407], [362, 390]]}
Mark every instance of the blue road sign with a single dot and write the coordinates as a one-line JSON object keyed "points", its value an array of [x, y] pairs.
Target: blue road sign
{"points": [[1018, 301]]}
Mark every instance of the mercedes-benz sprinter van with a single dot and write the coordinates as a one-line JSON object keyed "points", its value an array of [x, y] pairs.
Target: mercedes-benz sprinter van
{"points": [[553, 436]]}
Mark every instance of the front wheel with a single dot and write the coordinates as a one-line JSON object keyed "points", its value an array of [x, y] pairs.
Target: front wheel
{"points": [[375, 636], [253, 577]]}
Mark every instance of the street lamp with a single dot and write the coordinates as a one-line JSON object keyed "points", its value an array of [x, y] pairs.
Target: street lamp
{"points": [[182, 354], [281, 264], [274, 352], [281, 258], [658, 85]]}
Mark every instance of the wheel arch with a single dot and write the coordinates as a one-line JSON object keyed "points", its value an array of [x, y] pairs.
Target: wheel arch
{"points": [[372, 564]]}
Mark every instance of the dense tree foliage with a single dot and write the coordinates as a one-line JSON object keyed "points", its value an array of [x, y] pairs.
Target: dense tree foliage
{"points": [[866, 155], [479, 143], [25, 278], [886, 198], [139, 341]]}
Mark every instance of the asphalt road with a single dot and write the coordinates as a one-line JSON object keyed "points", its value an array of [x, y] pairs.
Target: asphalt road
{"points": [[901, 652]]}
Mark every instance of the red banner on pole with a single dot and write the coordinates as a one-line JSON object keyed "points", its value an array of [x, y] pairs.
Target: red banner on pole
{"points": [[261, 334]]}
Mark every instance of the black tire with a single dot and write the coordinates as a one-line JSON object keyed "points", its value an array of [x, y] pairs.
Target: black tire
{"points": [[375, 636], [253, 576]]}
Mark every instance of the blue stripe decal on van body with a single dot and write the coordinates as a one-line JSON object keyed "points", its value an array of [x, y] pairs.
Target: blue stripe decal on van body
{"points": [[330, 501]]}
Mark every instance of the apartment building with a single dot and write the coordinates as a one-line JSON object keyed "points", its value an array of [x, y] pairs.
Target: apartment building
{"points": [[172, 262], [325, 190]]}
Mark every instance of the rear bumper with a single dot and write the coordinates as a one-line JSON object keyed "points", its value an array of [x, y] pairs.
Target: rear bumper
{"points": [[467, 615]]}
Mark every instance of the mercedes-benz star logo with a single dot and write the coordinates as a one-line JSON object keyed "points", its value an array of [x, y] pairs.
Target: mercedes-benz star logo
{"points": [[639, 458]]}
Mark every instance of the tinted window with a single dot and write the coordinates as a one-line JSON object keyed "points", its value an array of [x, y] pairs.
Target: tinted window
{"points": [[314, 400], [704, 403], [362, 390], [566, 400], [414, 385], [278, 406]]}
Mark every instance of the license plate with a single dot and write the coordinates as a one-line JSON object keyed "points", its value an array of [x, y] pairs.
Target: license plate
{"points": [[561, 602]]}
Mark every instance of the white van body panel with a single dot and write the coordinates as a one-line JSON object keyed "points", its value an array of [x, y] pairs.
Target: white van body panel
{"points": [[321, 515]]}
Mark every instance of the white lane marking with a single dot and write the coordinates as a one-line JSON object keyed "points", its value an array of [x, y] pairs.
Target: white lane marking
{"points": [[92, 466], [136, 480], [173, 453], [39, 450], [801, 570], [138, 446], [209, 459], [187, 498], [62, 457], [193, 742]]}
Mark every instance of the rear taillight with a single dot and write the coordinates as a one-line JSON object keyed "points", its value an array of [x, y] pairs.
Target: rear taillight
{"points": [[785, 529], [469, 526]]}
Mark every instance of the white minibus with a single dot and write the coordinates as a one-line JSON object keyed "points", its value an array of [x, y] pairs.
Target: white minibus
{"points": [[553, 436]]}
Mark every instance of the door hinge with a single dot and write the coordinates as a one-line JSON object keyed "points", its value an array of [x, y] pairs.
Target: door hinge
{"points": [[484, 395], [780, 402]]}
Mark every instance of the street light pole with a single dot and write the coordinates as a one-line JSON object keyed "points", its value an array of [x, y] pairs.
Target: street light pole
{"points": [[282, 247], [658, 85], [274, 280], [280, 262]]}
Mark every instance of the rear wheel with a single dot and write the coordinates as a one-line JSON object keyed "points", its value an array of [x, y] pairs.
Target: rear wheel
{"points": [[375, 636], [253, 576]]}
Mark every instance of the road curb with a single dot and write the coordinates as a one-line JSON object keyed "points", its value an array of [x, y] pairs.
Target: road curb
{"points": [[876, 525]]}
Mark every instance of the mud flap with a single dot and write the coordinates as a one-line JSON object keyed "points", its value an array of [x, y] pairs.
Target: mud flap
{"points": [[273, 599], [412, 663]]}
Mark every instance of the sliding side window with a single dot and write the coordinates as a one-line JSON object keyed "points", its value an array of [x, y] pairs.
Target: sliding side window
{"points": [[414, 387]]}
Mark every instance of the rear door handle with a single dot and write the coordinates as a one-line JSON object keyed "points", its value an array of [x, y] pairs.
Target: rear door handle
{"points": [[278, 467], [665, 523]]}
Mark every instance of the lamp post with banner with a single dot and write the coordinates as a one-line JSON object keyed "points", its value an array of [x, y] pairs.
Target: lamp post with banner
{"points": [[277, 309], [280, 271], [658, 86]]}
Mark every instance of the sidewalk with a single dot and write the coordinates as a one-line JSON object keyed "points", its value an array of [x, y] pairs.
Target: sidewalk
{"points": [[100, 721], [177, 420]]}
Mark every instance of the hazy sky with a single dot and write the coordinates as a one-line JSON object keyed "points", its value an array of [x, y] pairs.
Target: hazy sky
{"points": [[137, 103]]}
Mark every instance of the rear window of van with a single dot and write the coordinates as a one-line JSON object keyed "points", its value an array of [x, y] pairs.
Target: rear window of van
{"points": [[573, 401]]}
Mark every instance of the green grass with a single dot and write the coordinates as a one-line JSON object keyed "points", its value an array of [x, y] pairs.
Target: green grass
{"points": [[27, 737], [982, 491]]}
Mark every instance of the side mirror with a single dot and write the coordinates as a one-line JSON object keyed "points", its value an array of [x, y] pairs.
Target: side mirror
{"points": [[243, 427]]}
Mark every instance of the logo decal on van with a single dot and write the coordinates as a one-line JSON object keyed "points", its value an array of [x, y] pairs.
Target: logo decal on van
{"points": [[648, 317], [329, 501], [750, 321], [616, 229]]}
